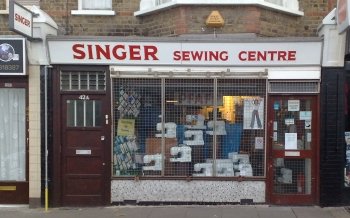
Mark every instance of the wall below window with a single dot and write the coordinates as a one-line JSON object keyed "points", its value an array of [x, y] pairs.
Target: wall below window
{"points": [[184, 191]]}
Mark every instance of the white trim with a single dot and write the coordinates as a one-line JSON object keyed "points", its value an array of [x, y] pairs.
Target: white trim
{"points": [[6, 10], [259, 3], [271, 73], [93, 12]]}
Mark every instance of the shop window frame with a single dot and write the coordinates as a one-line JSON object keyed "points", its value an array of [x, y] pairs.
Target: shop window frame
{"points": [[239, 178]]}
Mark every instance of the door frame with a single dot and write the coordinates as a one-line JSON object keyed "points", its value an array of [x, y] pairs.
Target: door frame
{"points": [[17, 192], [56, 187], [294, 199]]}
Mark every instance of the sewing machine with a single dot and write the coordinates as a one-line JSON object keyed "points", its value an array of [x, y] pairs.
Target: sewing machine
{"points": [[224, 167], [219, 127], [204, 169], [196, 135], [156, 158], [181, 153], [169, 130], [198, 121]]}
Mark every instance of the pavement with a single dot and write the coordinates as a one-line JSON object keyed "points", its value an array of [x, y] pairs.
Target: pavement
{"points": [[197, 211]]}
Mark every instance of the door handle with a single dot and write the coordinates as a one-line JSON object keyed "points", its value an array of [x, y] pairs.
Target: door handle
{"points": [[102, 138]]}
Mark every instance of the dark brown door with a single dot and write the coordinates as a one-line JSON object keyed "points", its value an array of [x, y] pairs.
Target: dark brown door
{"points": [[85, 150], [293, 145]]}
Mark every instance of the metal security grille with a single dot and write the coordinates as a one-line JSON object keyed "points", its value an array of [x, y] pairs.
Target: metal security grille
{"points": [[292, 176], [83, 81], [189, 127], [294, 87]]}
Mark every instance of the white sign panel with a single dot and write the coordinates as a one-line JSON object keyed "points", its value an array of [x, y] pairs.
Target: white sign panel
{"points": [[293, 105], [185, 53], [20, 19]]}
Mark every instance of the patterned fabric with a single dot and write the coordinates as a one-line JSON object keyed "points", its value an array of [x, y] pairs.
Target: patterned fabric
{"points": [[129, 103]]}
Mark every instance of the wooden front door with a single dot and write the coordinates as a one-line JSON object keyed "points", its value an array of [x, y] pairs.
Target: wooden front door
{"points": [[85, 150], [293, 130]]}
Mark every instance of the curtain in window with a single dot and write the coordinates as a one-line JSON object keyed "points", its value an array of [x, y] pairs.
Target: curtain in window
{"points": [[12, 134], [97, 4]]}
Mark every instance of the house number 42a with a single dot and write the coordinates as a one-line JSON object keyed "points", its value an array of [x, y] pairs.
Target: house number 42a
{"points": [[84, 97]]}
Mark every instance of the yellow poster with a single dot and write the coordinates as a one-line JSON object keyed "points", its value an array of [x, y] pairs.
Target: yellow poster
{"points": [[126, 127]]}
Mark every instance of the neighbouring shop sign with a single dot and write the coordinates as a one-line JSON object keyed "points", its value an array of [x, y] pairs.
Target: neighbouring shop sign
{"points": [[20, 19], [343, 18], [12, 57], [186, 53]]}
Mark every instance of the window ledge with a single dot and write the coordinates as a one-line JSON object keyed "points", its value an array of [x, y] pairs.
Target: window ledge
{"points": [[93, 12], [259, 3], [4, 11]]}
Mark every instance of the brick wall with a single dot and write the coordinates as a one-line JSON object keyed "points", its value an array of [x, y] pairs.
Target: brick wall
{"points": [[188, 20]]}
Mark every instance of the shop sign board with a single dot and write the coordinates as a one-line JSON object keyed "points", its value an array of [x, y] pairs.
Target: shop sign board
{"points": [[185, 53], [20, 19], [343, 18], [12, 56]]}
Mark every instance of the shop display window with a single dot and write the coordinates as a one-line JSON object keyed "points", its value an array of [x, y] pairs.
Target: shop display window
{"points": [[189, 127]]}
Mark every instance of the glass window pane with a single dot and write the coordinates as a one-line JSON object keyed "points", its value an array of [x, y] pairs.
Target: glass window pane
{"points": [[12, 135], [90, 112], [292, 176], [97, 4], [71, 113], [80, 112]]}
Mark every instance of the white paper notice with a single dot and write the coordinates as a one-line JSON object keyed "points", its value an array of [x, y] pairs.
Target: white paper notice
{"points": [[259, 142], [293, 105], [275, 136], [291, 141], [275, 125], [308, 137], [305, 115]]}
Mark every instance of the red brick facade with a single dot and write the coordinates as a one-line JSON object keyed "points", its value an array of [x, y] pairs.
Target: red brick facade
{"points": [[184, 20]]}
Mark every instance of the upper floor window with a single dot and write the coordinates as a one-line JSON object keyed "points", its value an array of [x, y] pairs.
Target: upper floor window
{"points": [[94, 7], [286, 6], [5, 4]]}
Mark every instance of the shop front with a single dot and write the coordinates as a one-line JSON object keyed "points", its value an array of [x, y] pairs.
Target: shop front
{"points": [[178, 121], [14, 181]]}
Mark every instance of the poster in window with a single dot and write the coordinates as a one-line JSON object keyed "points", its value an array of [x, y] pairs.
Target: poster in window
{"points": [[126, 127], [347, 162], [253, 117]]}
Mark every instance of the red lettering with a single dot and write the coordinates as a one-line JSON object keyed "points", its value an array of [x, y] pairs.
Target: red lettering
{"points": [[135, 52], [104, 52], [240, 56], [200, 56], [185, 55], [292, 55], [91, 56], [150, 51], [78, 52], [22, 20], [122, 55], [197, 55], [177, 55], [267, 55]]}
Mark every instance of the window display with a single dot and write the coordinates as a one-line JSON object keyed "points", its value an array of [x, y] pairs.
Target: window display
{"points": [[189, 127]]}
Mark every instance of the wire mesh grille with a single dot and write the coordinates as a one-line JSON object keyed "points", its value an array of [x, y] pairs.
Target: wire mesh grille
{"points": [[292, 176], [294, 87], [189, 127]]}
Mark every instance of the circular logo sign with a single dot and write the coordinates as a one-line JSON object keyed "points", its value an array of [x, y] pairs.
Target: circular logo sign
{"points": [[7, 52]]}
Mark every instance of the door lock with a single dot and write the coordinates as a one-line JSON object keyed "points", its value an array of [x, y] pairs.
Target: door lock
{"points": [[102, 138]]}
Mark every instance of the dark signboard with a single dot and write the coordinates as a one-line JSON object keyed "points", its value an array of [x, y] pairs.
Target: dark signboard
{"points": [[12, 56]]}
